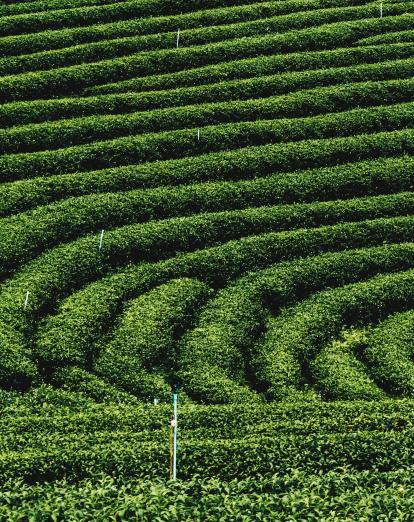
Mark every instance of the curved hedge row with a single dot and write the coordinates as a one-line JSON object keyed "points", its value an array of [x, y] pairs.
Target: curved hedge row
{"points": [[231, 323], [30, 138], [21, 240], [73, 379], [365, 177], [389, 350], [38, 111], [142, 353], [230, 27], [339, 374], [176, 144], [74, 78], [261, 65], [297, 333]]}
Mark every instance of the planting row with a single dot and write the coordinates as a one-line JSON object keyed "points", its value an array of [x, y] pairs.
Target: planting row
{"points": [[99, 14], [73, 79], [390, 38], [60, 272], [26, 234], [357, 496], [65, 37], [12, 7], [20, 113], [191, 142], [127, 456], [29, 138], [380, 176], [229, 28], [24, 414]]}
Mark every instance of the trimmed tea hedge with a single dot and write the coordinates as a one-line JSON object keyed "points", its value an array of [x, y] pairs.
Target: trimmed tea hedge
{"points": [[175, 144], [230, 28], [71, 79], [298, 333], [77, 131]]}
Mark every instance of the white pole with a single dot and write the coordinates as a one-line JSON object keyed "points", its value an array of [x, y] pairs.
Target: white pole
{"points": [[101, 239], [178, 38], [381, 10], [26, 300], [198, 134], [175, 398]]}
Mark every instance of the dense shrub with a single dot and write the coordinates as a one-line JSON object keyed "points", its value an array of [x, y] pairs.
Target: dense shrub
{"points": [[388, 352], [249, 68], [181, 143], [72, 79], [298, 333], [77, 131], [259, 20]]}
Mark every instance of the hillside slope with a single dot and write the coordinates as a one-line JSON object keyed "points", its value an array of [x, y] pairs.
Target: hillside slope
{"points": [[217, 196]]}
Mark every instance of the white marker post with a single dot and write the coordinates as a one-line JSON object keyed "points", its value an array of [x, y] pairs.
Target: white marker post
{"points": [[178, 38], [101, 239], [26, 301], [198, 134], [381, 12], [174, 470]]}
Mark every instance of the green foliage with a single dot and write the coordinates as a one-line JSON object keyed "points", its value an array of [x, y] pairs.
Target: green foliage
{"points": [[79, 13], [86, 314], [253, 21], [394, 37], [30, 138], [179, 143], [230, 324], [340, 374], [265, 84], [251, 165], [24, 238], [383, 175], [299, 332], [346, 496], [72, 79], [389, 350], [314, 62], [141, 352]]}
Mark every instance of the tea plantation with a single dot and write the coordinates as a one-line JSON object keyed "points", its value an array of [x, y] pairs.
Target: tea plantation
{"points": [[214, 195]]}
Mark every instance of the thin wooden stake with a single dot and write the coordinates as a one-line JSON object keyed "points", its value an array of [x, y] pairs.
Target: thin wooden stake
{"points": [[171, 446], [174, 474], [26, 301], [101, 239]]}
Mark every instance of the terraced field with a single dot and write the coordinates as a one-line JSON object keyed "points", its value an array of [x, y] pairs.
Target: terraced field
{"points": [[217, 196]]}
